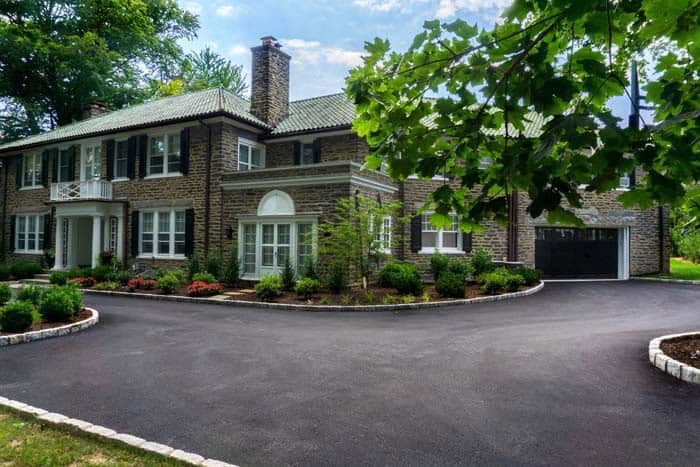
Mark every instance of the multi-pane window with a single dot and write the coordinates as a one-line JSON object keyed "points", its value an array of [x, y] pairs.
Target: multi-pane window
{"points": [[249, 247], [92, 162], [164, 154], [113, 233], [250, 155], [31, 170], [307, 154], [384, 235], [29, 237], [163, 233], [304, 243], [433, 238], [121, 159], [64, 165]]}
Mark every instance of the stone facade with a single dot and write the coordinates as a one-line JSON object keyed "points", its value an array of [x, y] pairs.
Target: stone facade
{"points": [[270, 82]]}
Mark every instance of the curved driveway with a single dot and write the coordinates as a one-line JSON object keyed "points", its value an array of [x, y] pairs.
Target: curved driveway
{"points": [[558, 378]]}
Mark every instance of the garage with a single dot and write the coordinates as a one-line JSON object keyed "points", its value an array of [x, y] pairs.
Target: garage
{"points": [[592, 253]]}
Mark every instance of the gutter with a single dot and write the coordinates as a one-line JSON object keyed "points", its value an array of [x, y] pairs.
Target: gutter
{"points": [[207, 191]]}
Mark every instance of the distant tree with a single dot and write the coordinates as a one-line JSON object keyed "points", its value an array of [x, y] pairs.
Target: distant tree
{"points": [[58, 54], [202, 70]]}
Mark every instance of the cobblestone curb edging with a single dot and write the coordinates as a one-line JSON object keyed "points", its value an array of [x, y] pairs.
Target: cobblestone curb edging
{"points": [[668, 365], [44, 416], [53, 332], [319, 308], [668, 281]]}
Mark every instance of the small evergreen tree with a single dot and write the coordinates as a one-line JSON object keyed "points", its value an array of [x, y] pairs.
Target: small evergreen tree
{"points": [[214, 263], [288, 281], [232, 270], [194, 266]]}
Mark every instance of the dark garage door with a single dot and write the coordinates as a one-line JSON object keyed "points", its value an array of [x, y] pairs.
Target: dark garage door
{"points": [[564, 253]]}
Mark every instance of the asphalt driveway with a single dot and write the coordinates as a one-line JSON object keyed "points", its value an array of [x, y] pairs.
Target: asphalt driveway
{"points": [[560, 377]]}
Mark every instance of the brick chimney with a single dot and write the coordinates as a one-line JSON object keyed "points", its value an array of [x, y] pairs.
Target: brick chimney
{"points": [[269, 100], [93, 109]]}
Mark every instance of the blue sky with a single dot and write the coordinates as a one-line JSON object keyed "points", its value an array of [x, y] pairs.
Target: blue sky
{"points": [[325, 37]]}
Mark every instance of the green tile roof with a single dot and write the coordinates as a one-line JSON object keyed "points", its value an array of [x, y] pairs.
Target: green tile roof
{"points": [[170, 109], [318, 113]]}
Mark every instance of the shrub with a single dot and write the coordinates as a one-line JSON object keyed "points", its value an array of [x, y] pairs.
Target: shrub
{"points": [[169, 282], [203, 289], [688, 246], [460, 267], [205, 277], [493, 282], [513, 282], [287, 275], [425, 297], [59, 277], [17, 317], [438, 264], [403, 277], [481, 262], [141, 283], [25, 270], [232, 269], [309, 269], [390, 299], [4, 273], [121, 276], [107, 285], [324, 300], [345, 299], [85, 282], [368, 297], [60, 303], [5, 294], [30, 293], [194, 266], [269, 287], [307, 287], [101, 273], [407, 299], [337, 276], [450, 285], [213, 265], [530, 276]]}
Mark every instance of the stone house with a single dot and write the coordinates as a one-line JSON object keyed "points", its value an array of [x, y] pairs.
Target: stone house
{"points": [[158, 182]]}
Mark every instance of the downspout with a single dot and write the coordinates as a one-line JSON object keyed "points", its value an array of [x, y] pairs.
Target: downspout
{"points": [[512, 232], [3, 247], [207, 191]]}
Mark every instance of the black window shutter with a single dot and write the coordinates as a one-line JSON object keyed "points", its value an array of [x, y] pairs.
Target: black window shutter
{"points": [[131, 158], [633, 178], [110, 159], [18, 173], [297, 153], [134, 233], [416, 230], [185, 151], [467, 242], [142, 148], [45, 168], [54, 165], [189, 232], [72, 159], [317, 151], [47, 231], [13, 226]]}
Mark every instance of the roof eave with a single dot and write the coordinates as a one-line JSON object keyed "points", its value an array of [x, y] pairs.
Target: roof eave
{"points": [[287, 134]]}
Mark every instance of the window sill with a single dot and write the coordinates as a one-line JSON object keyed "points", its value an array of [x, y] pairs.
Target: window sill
{"points": [[120, 179], [29, 252], [175, 257], [28, 188], [168, 175], [444, 251]]}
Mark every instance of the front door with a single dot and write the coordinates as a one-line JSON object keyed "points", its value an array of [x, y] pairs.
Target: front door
{"points": [[276, 243]]}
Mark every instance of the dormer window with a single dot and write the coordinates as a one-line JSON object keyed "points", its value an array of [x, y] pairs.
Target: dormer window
{"points": [[251, 155]]}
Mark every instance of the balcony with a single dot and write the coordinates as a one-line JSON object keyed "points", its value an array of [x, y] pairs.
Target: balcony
{"points": [[88, 190]]}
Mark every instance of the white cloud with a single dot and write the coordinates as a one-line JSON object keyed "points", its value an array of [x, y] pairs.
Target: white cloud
{"points": [[225, 10], [378, 5], [448, 8], [193, 7], [306, 52], [301, 44], [239, 49], [345, 57]]}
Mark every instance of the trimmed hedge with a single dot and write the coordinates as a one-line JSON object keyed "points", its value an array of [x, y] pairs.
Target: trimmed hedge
{"points": [[5, 294], [60, 303], [269, 287], [25, 270], [307, 287], [451, 285], [403, 277], [30, 293], [17, 316]]}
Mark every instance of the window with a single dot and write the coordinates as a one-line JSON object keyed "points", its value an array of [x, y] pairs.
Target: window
{"points": [[65, 166], [249, 246], [307, 154], [163, 233], [30, 233], [92, 159], [31, 170], [433, 238], [164, 154], [304, 243], [121, 159], [113, 233], [251, 155], [384, 235]]}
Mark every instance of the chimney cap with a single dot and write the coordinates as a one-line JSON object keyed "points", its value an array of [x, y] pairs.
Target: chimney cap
{"points": [[270, 40]]}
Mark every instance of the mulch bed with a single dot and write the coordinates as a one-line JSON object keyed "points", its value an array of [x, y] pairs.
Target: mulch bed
{"points": [[80, 316], [685, 350]]}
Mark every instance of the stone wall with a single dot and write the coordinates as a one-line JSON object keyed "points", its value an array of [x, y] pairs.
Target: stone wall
{"points": [[270, 84], [333, 148]]}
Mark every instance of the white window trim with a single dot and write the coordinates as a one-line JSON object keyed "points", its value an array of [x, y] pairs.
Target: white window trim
{"points": [[39, 228], [83, 159], [166, 173], [251, 144], [438, 241], [379, 238], [171, 240], [59, 157], [114, 166], [36, 179]]}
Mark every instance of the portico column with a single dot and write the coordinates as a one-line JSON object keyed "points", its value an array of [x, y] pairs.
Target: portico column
{"points": [[60, 261], [96, 240]]}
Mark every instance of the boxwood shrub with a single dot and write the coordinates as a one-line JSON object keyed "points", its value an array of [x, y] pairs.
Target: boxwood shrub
{"points": [[206, 277], [451, 285], [169, 282], [30, 293], [25, 270], [530, 276], [438, 264], [60, 303], [307, 287], [59, 277], [17, 316], [269, 287], [404, 277], [5, 294]]}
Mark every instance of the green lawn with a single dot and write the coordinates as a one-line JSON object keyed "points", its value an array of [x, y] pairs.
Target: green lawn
{"points": [[27, 442], [684, 270]]}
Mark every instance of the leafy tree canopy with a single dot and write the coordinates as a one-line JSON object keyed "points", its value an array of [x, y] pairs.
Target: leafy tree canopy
{"points": [[563, 60], [202, 70], [58, 54]]}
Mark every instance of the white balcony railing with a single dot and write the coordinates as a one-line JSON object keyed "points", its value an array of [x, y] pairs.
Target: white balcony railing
{"points": [[85, 190]]}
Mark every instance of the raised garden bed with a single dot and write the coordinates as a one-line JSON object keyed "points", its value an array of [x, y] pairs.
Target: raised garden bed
{"points": [[82, 315], [683, 349]]}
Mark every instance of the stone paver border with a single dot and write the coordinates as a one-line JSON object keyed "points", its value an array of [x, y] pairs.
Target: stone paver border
{"points": [[319, 308], [53, 332], [668, 365], [97, 431], [668, 281]]}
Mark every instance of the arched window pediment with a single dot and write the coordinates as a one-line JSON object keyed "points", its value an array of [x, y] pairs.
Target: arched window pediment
{"points": [[276, 203]]}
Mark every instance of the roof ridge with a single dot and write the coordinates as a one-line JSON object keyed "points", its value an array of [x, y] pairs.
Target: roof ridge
{"points": [[318, 97]]}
